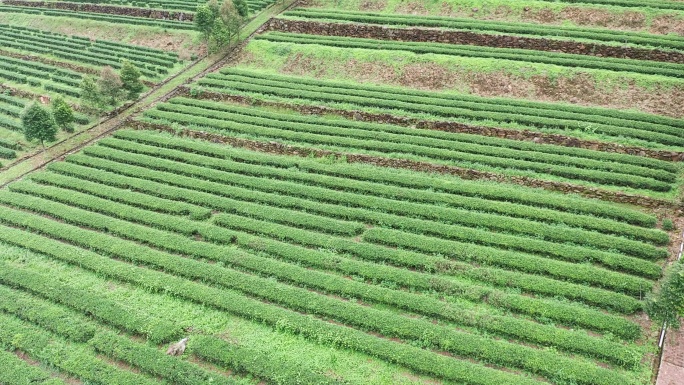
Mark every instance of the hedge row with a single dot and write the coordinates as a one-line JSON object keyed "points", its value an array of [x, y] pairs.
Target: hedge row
{"points": [[369, 252], [313, 279], [520, 55], [105, 310], [414, 358], [437, 104], [416, 142], [221, 171], [125, 196], [49, 77], [67, 357], [496, 27], [399, 181], [15, 371], [543, 362], [498, 277]]}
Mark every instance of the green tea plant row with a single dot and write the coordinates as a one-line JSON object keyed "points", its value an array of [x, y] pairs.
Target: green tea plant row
{"points": [[466, 143], [15, 371], [141, 21], [105, 310], [523, 55], [417, 359], [183, 5], [386, 323], [369, 98], [607, 159], [488, 26], [396, 182], [75, 327], [13, 107], [296, 218], [35, 74], [631, 3], [397, 219], [70, 358], [264, 266], [256, 166], [372, 253], [138, 153], [537, 284], [398, 146], [258, 363], [97, 52], [581, 113]]}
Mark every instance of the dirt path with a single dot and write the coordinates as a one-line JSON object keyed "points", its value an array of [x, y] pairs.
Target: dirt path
{"points": [[671, 370]]}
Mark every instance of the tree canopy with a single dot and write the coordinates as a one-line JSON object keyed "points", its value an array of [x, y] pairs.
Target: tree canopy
{"points": [[38, 123]]}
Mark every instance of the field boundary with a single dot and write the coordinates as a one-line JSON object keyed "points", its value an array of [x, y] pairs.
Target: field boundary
{"points": [[150, 13]]}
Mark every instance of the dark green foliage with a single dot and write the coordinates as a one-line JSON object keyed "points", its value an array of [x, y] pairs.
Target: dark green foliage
{"points": [[64, 115], [110, 87], [130, 79], [241, 7], [668, 225], [666, 304], [38, 123], [90, 93]]}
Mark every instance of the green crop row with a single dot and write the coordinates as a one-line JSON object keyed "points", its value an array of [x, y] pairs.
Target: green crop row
{"points": [[387, 144], [215, 170], [119, 195], [60, 321], [156, 363], [364, 251], [484, 255], [552, 365], [67, 357], [259, 363], [15, 371], [397, 182], [301, 276], [568, 111], [231, 83], [496, 27], [411, 357], [524, 55], [498, 277], [417, 140], [105, 310]]}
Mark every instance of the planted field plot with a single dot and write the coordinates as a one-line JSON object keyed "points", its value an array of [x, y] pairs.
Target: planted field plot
{"points": [[417, 271]]}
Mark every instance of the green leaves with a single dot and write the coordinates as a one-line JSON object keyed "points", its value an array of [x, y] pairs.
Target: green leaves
{"points": [[38, 123]]}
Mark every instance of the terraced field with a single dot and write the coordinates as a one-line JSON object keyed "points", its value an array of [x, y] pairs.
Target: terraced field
{"points": [[369, 192]]}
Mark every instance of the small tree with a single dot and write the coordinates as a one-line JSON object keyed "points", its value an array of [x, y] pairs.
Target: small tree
{"points": [[130, 78], [110, 86], [204, 19], [90, 94], [37, 123], [63, 114], [231, 18]]}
